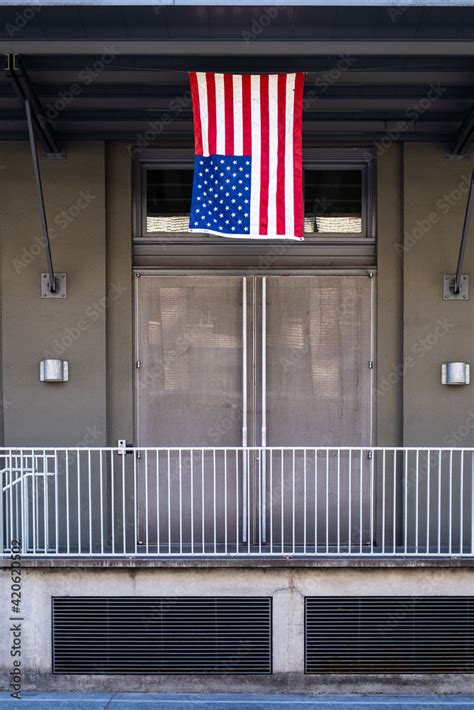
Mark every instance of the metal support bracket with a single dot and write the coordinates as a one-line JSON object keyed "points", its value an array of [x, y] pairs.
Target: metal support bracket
{"points": [[463, 137], [449, 288], [457, 287], [24, 90], [61, 286]]}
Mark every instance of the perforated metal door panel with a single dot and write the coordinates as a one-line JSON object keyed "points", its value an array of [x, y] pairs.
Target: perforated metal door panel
{"points": [[189, 394], [319, 393]]}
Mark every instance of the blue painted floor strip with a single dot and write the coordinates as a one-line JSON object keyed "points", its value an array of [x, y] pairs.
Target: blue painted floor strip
{"points": [[166, 701]]}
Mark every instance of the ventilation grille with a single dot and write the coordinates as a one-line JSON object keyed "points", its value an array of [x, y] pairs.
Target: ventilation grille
{"points": [[389, 635], [138, 635]]}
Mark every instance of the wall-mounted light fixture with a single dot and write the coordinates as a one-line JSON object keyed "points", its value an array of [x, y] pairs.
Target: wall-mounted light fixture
{"points": [[455, 373], [54, 370]]}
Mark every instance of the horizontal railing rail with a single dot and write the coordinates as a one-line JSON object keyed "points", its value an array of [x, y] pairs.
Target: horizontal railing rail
{"points": [[237, 501]]}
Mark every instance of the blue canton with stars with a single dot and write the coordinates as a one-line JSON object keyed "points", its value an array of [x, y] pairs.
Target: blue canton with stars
{"points": [[221, 194]]}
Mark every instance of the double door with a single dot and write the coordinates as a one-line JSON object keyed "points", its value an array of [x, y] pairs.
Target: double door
{"points": [[240, 378]]}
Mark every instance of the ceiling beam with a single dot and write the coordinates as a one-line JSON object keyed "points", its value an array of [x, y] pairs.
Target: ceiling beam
{"points": [[399, 76], [209, 47]]}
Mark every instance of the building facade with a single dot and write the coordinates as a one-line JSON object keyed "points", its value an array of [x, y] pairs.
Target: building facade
{"points": [[253, 474]]}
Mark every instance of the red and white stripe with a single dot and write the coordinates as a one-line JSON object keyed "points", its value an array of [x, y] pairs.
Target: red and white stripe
{"points": [[259, 116]]}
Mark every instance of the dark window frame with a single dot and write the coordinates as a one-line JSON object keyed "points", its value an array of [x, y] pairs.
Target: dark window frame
{"points": [[315, 158]]}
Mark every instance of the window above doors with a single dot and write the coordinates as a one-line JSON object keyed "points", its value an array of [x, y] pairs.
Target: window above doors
{"points": [[338, 187]]}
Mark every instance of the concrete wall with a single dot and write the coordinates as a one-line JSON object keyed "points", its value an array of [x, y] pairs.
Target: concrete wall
{"points": [[287, 587]]}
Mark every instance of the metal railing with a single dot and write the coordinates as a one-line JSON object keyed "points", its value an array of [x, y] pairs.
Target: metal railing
{"points": [[244, 501]]}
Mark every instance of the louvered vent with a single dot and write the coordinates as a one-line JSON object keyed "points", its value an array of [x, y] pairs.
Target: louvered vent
{"points": [[389, 635], [99, 635]]}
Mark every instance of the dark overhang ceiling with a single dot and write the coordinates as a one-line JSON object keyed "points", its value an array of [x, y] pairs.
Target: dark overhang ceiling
{"points": [[121, 72]]}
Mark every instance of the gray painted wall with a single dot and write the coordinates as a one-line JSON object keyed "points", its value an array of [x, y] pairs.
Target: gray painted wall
{"points": [[435, 331], [88, 200], [88, 206]]}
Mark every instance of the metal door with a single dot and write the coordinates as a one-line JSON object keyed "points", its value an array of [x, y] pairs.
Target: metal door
{"points": [[231, 361], [317, 362], [191, 392]]}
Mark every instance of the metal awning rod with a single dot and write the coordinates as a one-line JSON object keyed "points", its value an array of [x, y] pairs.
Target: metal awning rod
{"points": [[39, 194], [465, 236]]}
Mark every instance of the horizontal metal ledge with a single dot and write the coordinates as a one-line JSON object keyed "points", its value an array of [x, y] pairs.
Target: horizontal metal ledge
{"points": [[244, 255], [211, 47]]}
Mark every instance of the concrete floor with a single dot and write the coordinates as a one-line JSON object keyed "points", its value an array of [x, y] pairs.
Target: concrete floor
{"points": [[142, 701]]}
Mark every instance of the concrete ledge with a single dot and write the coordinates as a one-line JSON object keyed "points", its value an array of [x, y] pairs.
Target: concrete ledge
{"points": [[229, 683], [245, 563]]}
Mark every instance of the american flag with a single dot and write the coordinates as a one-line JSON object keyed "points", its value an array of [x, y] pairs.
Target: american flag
{"points": [[248, 155]]}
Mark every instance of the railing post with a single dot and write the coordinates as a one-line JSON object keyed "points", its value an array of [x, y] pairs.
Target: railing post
{"points": [[472, 502], [2, 507]]}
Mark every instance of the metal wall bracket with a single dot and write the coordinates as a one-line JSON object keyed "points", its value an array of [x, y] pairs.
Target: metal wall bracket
{"points": [[61, 286], [449, 288], [53, 156], [458, 158]]}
